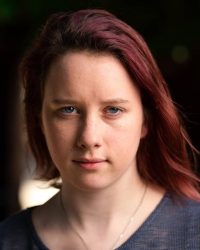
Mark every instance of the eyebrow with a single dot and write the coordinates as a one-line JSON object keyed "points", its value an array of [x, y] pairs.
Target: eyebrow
{"points": [[115, 101], [64, 101], [108, 101]]}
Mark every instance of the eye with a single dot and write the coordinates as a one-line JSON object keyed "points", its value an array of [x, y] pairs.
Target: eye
{"points": [[69, 110], [113, 110]]}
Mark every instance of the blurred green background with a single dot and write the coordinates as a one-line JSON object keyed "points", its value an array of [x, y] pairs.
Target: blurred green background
{"points": [[170, 27]]}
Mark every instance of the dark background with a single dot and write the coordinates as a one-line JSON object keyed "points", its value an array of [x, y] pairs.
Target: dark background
{"points": [[170, 27]]}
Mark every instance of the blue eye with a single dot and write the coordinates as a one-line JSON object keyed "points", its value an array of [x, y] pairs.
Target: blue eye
{"points": [[113, 110], [69, 110]]}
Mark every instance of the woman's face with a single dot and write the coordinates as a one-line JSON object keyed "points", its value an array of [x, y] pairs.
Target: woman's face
{"points": [[92, 120]]}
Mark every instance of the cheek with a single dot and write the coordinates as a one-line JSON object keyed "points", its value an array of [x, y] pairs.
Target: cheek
{"points": [[125, 138], [59, 138], [130, 129]]}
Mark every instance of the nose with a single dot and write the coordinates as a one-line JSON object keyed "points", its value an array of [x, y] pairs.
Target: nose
{"points": [[89, 135]]}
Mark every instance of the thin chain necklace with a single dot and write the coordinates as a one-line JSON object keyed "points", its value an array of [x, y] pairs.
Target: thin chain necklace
{"points": [[121, 235]]}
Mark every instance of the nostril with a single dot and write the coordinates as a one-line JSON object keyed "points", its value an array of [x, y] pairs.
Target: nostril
{"points": [[88, 136], [86, 145], [81, 145]]}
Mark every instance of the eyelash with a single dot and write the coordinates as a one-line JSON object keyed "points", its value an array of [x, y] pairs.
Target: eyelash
{"points": [[70, 110], [113, 108], [65, 111]]}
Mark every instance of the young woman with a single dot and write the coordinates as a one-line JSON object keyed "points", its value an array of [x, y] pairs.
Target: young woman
{"points": [[100, 119]]}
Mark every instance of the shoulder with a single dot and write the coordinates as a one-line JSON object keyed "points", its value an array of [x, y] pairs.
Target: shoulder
{"points": [[183, 208], [190, 208], [17, 220], [183, 221], [191, 212], [15, 230], [191, 217]]}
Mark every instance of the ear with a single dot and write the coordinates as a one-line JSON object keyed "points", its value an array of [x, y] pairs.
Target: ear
{"points": [[144, 130], [41, 122]]}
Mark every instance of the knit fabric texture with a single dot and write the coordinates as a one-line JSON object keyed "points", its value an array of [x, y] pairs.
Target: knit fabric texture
{"points": [[173, 225]]}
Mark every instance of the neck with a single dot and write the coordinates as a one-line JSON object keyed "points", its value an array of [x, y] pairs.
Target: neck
{"points": [[102, 205], [100, 221]]}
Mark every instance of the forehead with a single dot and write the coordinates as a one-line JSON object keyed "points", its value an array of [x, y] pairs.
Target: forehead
{"points": [[85, 60], [88, 72], [75, 61]]}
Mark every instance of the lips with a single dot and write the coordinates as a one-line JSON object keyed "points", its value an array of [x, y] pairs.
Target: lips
{"points": [[89, 164]]}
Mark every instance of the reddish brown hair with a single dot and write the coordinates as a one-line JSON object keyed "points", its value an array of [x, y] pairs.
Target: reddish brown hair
{"points": [[162, 157]]}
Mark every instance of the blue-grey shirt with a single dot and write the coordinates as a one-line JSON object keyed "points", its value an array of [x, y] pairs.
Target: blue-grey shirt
{"points": [[173, 225]]}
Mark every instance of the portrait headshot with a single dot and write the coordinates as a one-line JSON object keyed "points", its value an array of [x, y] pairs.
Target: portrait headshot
{"points": [[104, 130]]}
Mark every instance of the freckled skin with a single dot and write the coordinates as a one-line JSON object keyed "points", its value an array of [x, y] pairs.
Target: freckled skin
{"points": [[92, 110]]}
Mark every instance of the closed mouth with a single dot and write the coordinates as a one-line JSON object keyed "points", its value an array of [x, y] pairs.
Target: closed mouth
{"points": [[89, 164], [89, 160]]}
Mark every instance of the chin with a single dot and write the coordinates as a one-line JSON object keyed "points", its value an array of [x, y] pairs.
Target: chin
{"points": [[92, 185]]}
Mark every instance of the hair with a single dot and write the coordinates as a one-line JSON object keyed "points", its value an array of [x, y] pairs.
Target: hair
{"points": [[164, 155]]}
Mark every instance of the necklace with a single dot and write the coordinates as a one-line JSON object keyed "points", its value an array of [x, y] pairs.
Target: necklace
{"points": [[121, 235]]}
